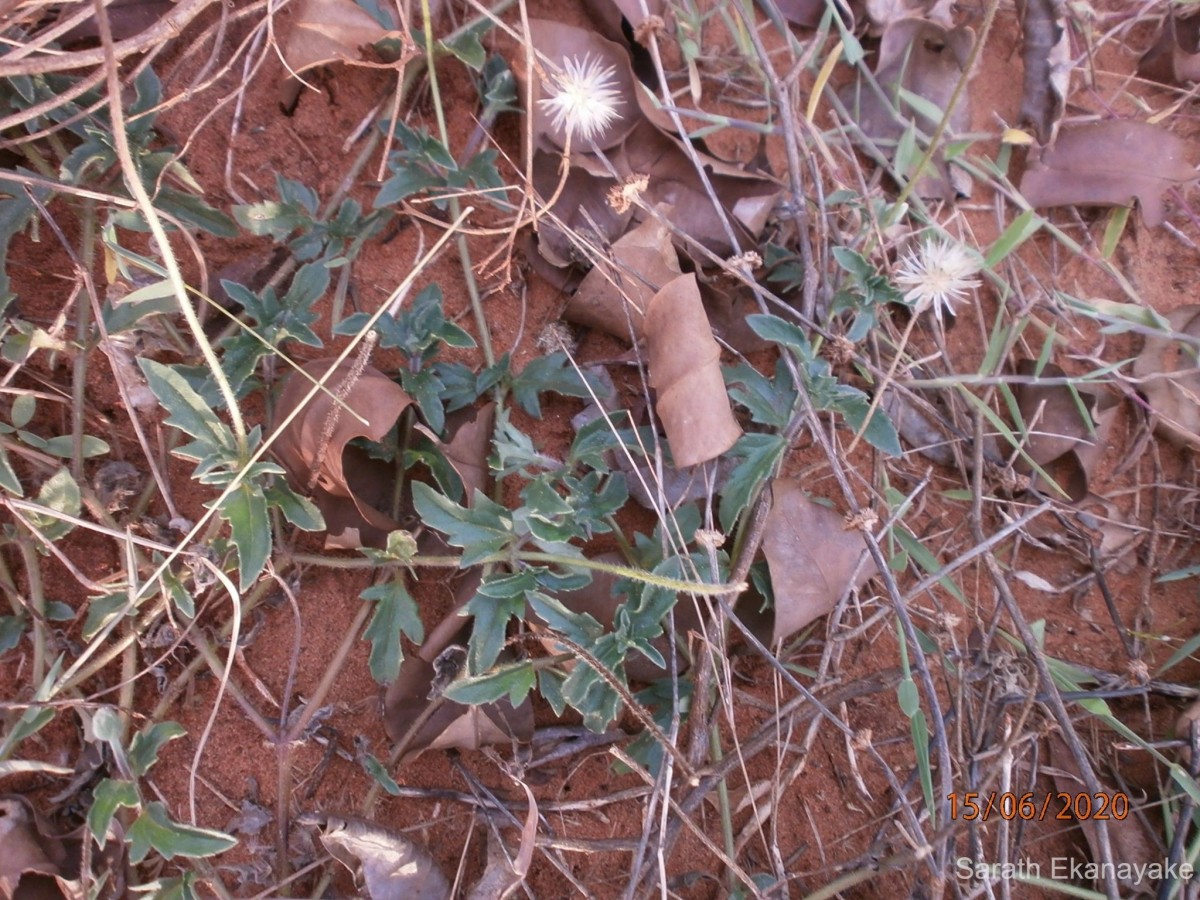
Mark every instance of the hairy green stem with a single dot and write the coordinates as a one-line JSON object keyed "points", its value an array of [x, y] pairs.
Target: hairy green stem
{"points": [[464, 251], [83, 325], [699, 588], [137, 189]]}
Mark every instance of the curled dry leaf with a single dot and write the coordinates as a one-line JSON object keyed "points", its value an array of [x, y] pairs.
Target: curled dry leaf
{"points": [[882, 13], [813, 560], [32, 863], [326, 31], [1175, 57], [920, 425], [392, 867], [1167, 369], [126, 18], [1108, 164], [744, 199], [616, 293], [348, 486], [581, 221], [1132, 849], [613, 16], [505, 873], [1047, 57], [448, 724], [1059, 436], [808, 13], [928, 60], [685, 370]]}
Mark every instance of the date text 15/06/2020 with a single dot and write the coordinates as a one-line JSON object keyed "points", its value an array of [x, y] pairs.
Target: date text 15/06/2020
{"points": [[1065, 868]]}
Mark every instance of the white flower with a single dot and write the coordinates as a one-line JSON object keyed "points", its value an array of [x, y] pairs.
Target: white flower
{"points": [[583, 100], [938, 275]]}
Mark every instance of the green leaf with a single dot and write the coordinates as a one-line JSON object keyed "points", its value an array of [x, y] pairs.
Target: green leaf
{"points": [[376, 770], [64, 446], [1023, 227], [909, 698], [481, 530], [109, 795], [499, 599], [60, 494], [466, 47], [760, 453], [188, 411], [786, 334], [409, 179], [879, 432], [155, 830], [246, 511], [8, 477], [515, 681], [547, 373], [16, 211], [23, 408], [101, 611], [395, 612], [143, 749], [57, 611], [12, 629], [300, 511], [106, 725]]}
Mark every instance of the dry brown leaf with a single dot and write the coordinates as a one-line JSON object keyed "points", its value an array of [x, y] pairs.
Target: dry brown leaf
{"points": [[1047, 57], [920, 426], [1108, 164], [685, 370], [812, 557], [470, 441], [744, 199], [504, 874], [392, 867], [450, 724], [327, 31], [1132, 848], [581, 222], [1058, 437], [808, 13], [883, 13], [34, 865], [350, 487], [1175, 56], [1167, 368], [612, 16], [126, 18], [927, 60], [615, 294]]}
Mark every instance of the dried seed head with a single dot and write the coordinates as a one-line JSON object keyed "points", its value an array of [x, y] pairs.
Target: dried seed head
{"points": [[863, 520], [622, 196], [840, 350]]}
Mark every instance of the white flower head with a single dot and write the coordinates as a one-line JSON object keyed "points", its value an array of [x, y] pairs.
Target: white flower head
{"points": [[583, 97], [938, 275]]}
